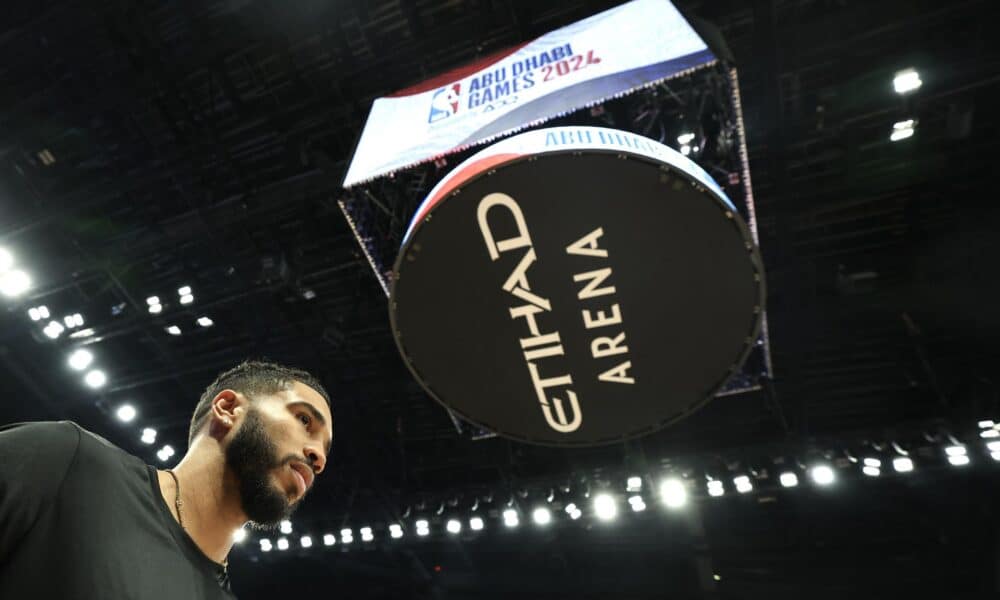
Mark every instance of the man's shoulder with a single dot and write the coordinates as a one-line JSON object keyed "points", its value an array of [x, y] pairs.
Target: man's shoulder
{"points": [[58, 433]]}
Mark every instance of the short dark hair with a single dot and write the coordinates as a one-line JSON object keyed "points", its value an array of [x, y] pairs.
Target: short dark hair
{"points": [[252, 378]]}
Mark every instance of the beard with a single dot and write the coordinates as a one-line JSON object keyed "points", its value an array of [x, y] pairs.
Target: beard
{"points": [[252, 456]]}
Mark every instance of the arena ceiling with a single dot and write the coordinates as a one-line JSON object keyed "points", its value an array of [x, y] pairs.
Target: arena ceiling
{"points": [[148, 146]]}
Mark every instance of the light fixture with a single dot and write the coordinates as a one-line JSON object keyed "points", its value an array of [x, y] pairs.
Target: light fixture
{"points": [[788, 479], [395, 531], [902, 130], [95, 378], [187, 299], [995, 455], [285, 526], [715, 488], [240, 535], [155, 309], [184, 291], [873, 462], [902, 464], [205, 321], [822, 475], [126, 412], [306, 541], [476, 524], [6, 260], [673, 493], [685, 138], [74, 320], [14, 283], [265, 545], [634, 484], [153, 300], [957, 455], [148, 436], [986, 424], [173, 330], [165, 453], [742, 483], [510, 518], [685, 150], [282, 544], [871, 471], [80, 359], [906, 81], [346, 536], [54, 329], [37, 313], [989, 434], [453, 526], [637, 503], [328, 539], [423, 529], [542, 516], [605, 507], [993, 446], [366, 534]]}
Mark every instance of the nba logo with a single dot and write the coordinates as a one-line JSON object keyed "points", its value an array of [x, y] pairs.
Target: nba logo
{"points": [[444, 102]]}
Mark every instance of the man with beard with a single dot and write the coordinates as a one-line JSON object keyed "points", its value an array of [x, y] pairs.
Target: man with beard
{"points": [[80, 518]]}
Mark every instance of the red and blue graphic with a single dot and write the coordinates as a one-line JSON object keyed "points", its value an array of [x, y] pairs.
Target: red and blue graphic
{"points": [[445, 102]]}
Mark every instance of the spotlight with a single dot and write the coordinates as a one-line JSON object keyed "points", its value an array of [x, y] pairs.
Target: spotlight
{"points": [[685, 138], [957, 455], [685, 149], [173, 330], [95, 378], [510, 518], [989, 433], [148, 436], [715, 488], [871, 471], [14, 283], [822, 475], [906, 81], [743, 484], [126, 412], [165, 453], [80, 360], [54, 329], [873, 462], [282, 544], [34, 314], [265, 545], [476, 524], [542, 516], [239, 535], [187, 299], [205, 321], [329, 540], [184, 291], [993, 446], [673, 493], [366, 534], [155, 309], [789, 479], [306, 541], [6, 260], [346, 536], [285, 527], [902, 130], [986, 424], [395, 531], [153, 300], [995, 455], [902, 464], [605, 507], [637, 503], [453, 526], [634, 484]]}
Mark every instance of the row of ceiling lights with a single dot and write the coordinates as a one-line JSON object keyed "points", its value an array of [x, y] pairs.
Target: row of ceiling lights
{"points": [[674, 494]]}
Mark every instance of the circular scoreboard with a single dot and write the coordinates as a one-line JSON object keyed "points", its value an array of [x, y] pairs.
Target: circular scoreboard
{"points": [[576, 286]]}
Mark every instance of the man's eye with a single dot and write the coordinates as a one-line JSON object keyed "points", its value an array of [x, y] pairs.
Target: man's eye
{"points": [[307, 418]]}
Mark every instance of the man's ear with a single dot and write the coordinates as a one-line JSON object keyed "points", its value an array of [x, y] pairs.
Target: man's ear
{"points": [[227, 407]]}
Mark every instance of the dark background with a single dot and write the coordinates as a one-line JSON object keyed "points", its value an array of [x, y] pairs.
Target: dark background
{"points": [[203, 144]]}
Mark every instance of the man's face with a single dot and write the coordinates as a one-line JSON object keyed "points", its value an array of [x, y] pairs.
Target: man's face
{"points": [[275, 452]]}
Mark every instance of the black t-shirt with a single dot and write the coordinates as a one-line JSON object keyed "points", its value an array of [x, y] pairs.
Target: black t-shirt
{"points": [[82, 519]]}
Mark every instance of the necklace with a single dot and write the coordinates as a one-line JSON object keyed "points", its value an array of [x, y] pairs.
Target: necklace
{"points": [[180, 520]]}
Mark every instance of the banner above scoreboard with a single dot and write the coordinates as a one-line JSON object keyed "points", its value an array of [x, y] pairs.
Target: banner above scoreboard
{"points": [[607, 55]]}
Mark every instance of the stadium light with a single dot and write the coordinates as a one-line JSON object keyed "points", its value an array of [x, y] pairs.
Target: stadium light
{"points": [[673, 493], [126, 412], [395, 531], [328, 539], [476, 524], [789, 479], [823, 475], [148, 436], [510, 518], [6, 260], [454, 526], [346, 536], [14, 283], [80, 359], [366, 534], [902, 130], [95, 378], [906, 81], [542, 516], [306, 541], [715, 488], [902, 464], [282, 544], [605, 507], [265, 545], [743, 484]]}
